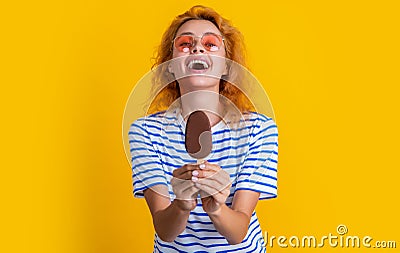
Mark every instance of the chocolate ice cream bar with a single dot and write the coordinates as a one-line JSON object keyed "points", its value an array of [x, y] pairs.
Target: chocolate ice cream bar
{"points": [[198, 136]]}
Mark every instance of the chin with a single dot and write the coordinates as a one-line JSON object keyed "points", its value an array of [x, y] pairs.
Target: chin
{"points": [[199, 82]]}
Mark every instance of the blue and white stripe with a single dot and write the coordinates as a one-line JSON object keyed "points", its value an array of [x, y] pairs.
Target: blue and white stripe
{"points": [[247, 150]]}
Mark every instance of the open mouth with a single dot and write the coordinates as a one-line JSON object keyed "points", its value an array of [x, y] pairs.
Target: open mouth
{"points": [[198, 64]]}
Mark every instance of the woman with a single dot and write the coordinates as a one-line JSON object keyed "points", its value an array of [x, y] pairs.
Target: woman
{"points": [[242, 166]]}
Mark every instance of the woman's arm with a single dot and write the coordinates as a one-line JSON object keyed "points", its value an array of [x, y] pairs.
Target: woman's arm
{"points": [[233, 223], [170, 218], [215, 184]]}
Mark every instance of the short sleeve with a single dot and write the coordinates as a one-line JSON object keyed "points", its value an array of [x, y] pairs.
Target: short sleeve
{"points": [[259, 169], [147, 170]]}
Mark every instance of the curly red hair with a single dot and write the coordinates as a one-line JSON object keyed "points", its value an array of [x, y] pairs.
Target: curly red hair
{"points": [[234, 48]]}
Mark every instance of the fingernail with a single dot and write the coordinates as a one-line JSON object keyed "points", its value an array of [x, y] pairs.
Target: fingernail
{"points": [[194, 179], [195, 173], [202, 166]]}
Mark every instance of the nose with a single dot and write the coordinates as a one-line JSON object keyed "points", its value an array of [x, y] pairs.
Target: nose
{"points": [[195, 50], [198, 47]]}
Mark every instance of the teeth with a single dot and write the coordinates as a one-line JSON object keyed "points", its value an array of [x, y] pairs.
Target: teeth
{"points": [[193, 62]]}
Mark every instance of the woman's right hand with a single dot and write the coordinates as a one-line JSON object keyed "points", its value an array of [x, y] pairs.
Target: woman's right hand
{"points": [[184, 188]]}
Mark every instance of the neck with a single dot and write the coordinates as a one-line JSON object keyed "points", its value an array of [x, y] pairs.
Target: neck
{"points": [[207, 101]]}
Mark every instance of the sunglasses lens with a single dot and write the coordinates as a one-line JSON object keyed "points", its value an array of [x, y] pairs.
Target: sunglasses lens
{"points": [[184, 43], [211, 42]]}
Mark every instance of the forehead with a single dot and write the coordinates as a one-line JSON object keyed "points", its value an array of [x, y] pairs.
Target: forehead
{"points": [[198, 27]]}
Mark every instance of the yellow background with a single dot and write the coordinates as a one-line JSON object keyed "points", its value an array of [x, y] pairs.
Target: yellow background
{"points": [[331, 70]]}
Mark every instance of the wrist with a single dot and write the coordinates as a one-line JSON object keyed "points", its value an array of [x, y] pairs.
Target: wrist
{"points": [[218, 212], [181, 206]]}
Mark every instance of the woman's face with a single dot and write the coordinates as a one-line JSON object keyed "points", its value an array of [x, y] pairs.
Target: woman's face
{"points": [[199, 57]]}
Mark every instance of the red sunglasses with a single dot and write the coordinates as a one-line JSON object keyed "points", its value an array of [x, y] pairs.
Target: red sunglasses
{"points": [[211, 42]]}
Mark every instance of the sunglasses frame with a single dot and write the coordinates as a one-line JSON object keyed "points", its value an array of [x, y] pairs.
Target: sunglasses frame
{"points": [[201, 37]]}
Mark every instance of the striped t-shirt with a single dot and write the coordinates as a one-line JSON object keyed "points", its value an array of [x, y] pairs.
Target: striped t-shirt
{"points": [[247, 150]]}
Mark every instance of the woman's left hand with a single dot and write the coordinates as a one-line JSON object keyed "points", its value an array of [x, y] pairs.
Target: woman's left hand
{"points": [[214, 184]]}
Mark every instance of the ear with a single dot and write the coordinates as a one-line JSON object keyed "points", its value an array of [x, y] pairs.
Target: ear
{"points": [[226, 70], [170, 69]]}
